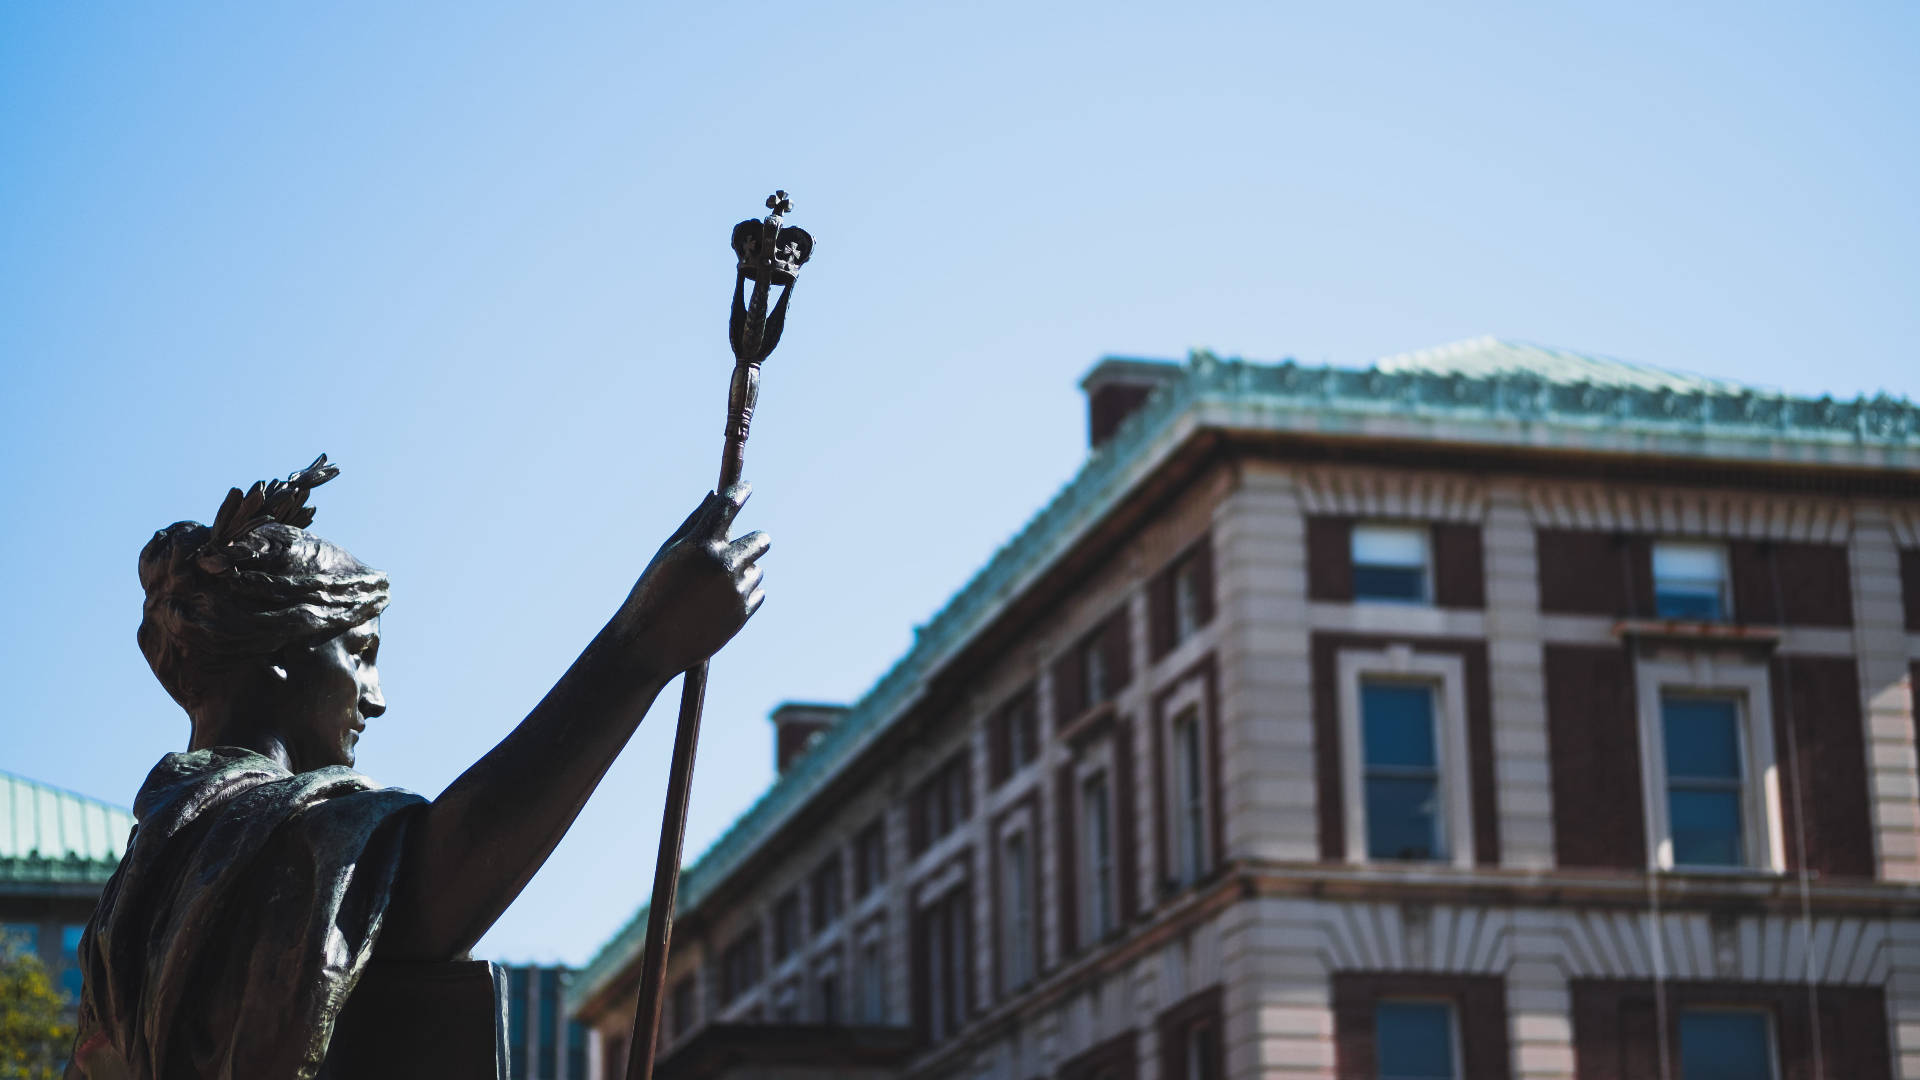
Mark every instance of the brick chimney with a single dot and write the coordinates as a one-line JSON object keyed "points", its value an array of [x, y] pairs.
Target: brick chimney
{"points": [[795, 724], [1116, 387]]}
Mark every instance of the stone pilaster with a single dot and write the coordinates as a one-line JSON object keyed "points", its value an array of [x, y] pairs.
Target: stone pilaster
{"points": [[1880, 645], [1278, 1011], [1539, 1003], [1515, 670], [1266, 690]]}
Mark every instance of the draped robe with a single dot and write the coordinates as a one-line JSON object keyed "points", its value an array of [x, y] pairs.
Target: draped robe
{"points": [[244, 912]]}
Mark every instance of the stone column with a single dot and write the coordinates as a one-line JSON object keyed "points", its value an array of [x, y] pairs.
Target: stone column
{"points": [[1880, 644]]}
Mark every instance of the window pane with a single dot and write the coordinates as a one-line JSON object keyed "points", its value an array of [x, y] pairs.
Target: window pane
{"points": [[1414, 1040], [1716, 1045], [1396, 721], [1403, 818], [1681, 601], [1689, 581], [1702, 738], [1389, 583], [1376, 545], [1700, 562], [1706, 827]]}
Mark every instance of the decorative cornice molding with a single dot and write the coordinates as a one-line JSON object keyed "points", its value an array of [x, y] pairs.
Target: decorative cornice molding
{"points": [[1687, 512], [1385, 493], [1848, 950]]}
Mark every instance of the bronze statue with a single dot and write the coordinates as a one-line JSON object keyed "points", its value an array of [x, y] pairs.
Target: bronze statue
{"points": [[266, 880]]}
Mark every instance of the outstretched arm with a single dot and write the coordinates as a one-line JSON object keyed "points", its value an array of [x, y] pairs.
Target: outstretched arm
{"points": [[480, 842]]}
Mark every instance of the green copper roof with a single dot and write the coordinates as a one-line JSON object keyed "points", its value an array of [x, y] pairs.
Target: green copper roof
{"points": [[1489, 357], [51, 836], [1481, 392]]}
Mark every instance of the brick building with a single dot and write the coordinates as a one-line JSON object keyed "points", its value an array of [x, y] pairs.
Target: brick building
{"points": [[1490, 712]]}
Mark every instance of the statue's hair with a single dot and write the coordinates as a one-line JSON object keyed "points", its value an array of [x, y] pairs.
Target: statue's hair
{"points": [[250, 584]]}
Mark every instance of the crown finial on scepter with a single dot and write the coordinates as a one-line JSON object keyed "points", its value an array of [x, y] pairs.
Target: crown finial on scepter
{"points": [[767, 253]]}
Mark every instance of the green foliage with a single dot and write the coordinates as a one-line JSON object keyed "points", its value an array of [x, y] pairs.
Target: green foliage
{"points": [[35, 1034]]}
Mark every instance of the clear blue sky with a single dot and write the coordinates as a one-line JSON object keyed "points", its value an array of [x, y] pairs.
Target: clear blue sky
{"points": [[478, 253]]}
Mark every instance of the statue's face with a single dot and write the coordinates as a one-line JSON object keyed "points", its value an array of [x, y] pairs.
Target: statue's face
{"points": [[332, 687]]}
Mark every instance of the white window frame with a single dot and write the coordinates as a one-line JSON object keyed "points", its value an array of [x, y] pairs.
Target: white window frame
{"points": [[1016, 926], [1424, 533], [1186, 597], [1719, 550], [1094, 676], [1719, 554], [1446, 672], [1027, 706], [1187, 867], [1097, 760], [1760, 808]]}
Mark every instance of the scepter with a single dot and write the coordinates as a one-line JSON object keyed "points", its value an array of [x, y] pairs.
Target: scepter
{"points": [[767, 253]]}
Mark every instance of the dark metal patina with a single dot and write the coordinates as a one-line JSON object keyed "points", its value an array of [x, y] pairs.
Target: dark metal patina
{"points": [[768, 254], [279, 915]]}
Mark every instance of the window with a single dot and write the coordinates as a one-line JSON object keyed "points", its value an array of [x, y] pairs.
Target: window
{"points": [[1096, 845], [871, 985], [786, 925], [71, 974], [1413, 1040], [1390, 563], [1096, 688], [1023, 733], [827, 890], [1013, 737], [1401, 771], [830, 997], [943, 801], [1725, 1044], [1180, 599], [870, 857], [1690, 581], [946, 959], [1094, 669], [740, 966], [683, 1006], [1403, 755], [1189, 788], [1202, 1051], [1704, 803], [1186, 599], [1707, 746], [1016, 906]]}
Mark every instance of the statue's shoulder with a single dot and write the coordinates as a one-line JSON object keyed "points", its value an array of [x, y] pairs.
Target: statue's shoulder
{"points": [[192, 781]]}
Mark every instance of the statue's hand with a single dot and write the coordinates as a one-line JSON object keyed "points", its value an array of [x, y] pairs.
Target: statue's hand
{"points": [[698, 591]]}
